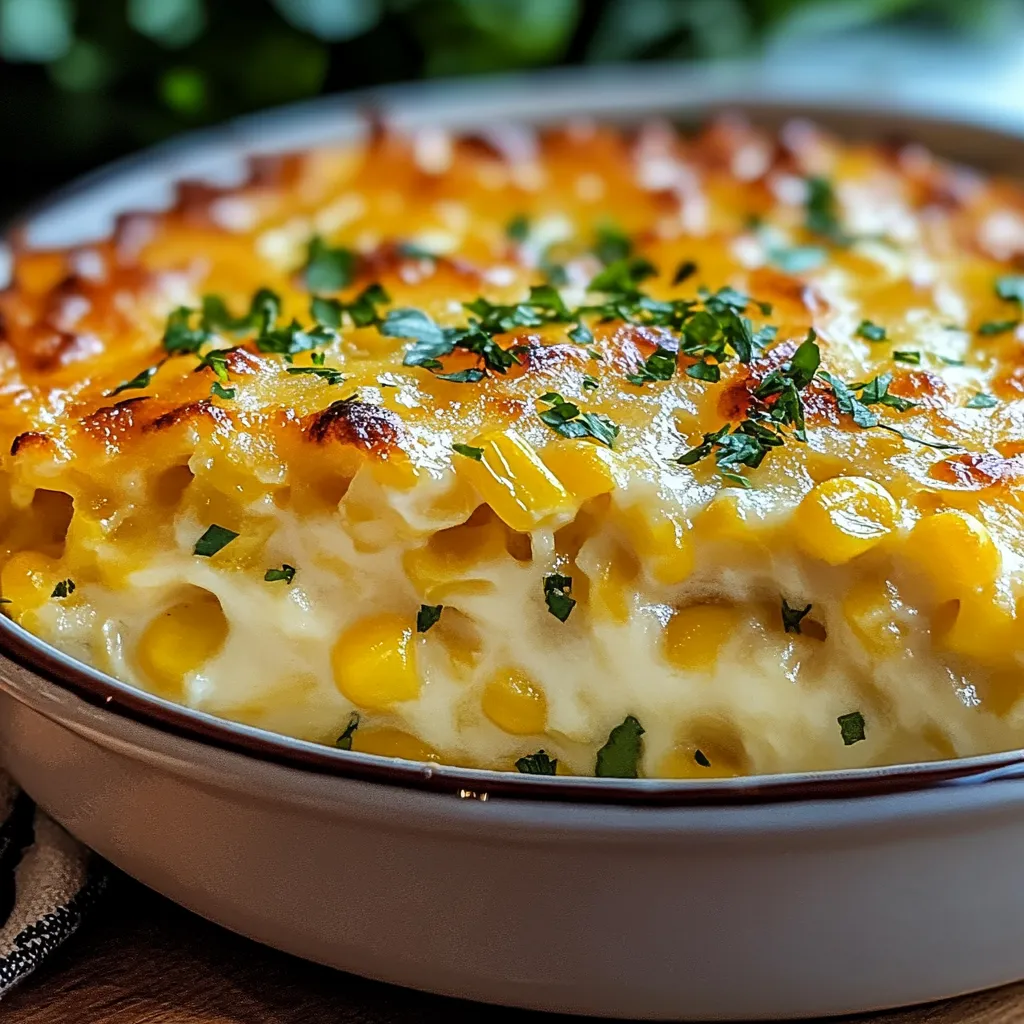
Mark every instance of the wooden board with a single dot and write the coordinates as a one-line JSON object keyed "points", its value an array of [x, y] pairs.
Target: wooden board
{"points": [[143, 960]]}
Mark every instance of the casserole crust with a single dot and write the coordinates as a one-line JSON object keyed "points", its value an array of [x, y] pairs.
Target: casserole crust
{"points": [[638, 453]]}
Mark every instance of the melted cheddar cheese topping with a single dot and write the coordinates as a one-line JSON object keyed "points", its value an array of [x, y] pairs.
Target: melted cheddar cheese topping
{"points": [[584, 451]]}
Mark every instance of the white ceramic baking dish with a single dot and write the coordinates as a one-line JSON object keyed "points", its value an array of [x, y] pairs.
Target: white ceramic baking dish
{"points": [[758, 898]]}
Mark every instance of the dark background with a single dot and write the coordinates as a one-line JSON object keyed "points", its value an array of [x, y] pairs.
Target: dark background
{"points": [[82, 81]]}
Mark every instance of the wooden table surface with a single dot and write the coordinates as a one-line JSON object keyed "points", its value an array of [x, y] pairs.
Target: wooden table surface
{"points": [[142, 960]]}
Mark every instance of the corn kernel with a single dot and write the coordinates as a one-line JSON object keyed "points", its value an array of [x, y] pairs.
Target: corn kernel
{"points": [[397, 472], [449, 557], [978, 626], [374, 662], [662, 540], [718, 762], [843, 517], [27, 580], [584, 469], [695, 635], [511, 478], [179, 641], [955, 551], [870, 607], [516, 704], [388, 742], [610, 572]]}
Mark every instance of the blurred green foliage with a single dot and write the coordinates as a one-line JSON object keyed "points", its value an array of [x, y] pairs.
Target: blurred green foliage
{"points": [[85, 80]]}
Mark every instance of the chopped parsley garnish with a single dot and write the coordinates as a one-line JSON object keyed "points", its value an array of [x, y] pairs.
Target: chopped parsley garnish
{"points": [[872, 392], [326, 373], [659, 365], [328, 269], [518, 228], [821, 211], [344, 741], [852, 727], [179, 333], [991, 328], [581, 334], [910, 358], [215, 538], [264, 309], [558, 595], [776, 403], [612, 244], [619, 758], [684, 272], [623, 276], [589, 383], [792, 617], [471, 376], [566, 418], [701, 758], [1011, 288], [285, 573], [63, 588], [138, 382], [982, 401], [797, 259], [869, 331], [427, 616], [476, 454], [537, 764], [362, 310], [219, 391], [293, 338]]}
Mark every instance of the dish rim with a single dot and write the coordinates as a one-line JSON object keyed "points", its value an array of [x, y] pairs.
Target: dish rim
{"points": [[627, 94]]}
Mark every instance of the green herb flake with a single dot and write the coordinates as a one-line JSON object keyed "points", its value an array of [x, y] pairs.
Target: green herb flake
{"points": [[798, 259], [326, 373], [286, 573], [476, 454], [566, 419], [991, 328], [910, 358], [219, 391], [659, 365], [619, 758], [792, 617], [581, 334], [472, 376], [328, 269], [344, 741], [701, 758], [215, 538], [982, 401], [180, 336], [821, 211], [1011, 288], [138, 382], [589, 383], [612, 244], [537, 764], [851, 726], [870, 331], [427, 616], [558, 595], [63, 588], [518, 228], [684, 272]]}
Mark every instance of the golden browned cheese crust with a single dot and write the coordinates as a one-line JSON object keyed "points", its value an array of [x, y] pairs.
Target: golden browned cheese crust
{"points": [[788, 371]]}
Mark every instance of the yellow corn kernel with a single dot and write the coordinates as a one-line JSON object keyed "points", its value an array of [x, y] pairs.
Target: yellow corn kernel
{"points": [[870, 607], [179, 641], [397, 472], [374, 662], [695, 635], [584, 469], [27, 581], [978, 626], [610, 573], [514, 703], [449, 557], [511, 478], [388, 742], [681, 763], [722, 520], [955, 551], [842, 518], [662, 540]]}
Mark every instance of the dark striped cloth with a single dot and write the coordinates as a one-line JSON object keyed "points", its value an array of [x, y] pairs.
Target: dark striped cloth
{"points": [[48, 882]]}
